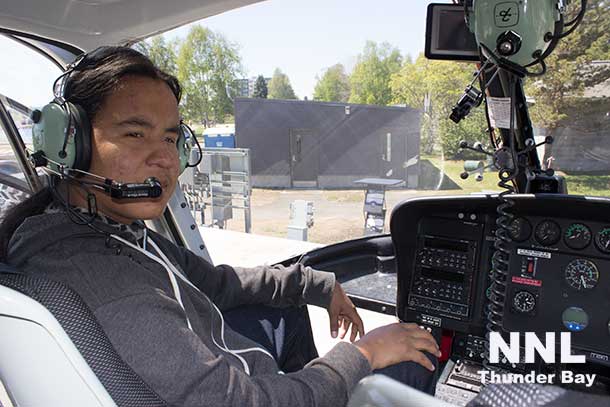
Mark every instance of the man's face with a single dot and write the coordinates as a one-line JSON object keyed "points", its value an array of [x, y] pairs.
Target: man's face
{"points": [[134, 137]]}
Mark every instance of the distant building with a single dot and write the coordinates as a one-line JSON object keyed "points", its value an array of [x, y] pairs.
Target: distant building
{"points": [[245, 87], [305, 144], [242, 88]]}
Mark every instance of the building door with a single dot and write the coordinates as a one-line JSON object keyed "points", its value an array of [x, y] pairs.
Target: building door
{"points": [[304, 158], [392, 147]]}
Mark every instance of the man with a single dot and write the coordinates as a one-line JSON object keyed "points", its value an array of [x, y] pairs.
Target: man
{"points": [[162, 306]]}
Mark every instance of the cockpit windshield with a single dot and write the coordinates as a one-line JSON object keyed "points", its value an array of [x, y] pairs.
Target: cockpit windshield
{"points": [[342, 116]]}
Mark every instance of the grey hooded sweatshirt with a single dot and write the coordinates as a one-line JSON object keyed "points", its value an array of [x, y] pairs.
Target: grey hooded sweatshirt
{"points": [[132, 298]]}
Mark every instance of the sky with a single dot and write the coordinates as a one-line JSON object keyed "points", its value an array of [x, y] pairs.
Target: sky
{"points": [[302, 38]]}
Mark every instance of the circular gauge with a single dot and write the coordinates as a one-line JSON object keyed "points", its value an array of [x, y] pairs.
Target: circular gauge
{"points": [[602, 240], [575, 319], [520, 229], [524, 302], [547, 233], [577, 236], [582, 274]]}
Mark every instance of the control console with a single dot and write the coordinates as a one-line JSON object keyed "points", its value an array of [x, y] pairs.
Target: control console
{"points": [[443, 286], [443, 275], [558, 272]]}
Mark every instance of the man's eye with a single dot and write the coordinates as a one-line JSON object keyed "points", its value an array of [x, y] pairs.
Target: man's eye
{"points": [[170, 140], [135, 134]]}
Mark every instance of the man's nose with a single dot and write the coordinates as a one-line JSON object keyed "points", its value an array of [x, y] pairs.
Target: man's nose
{"points": [[164, 155]]}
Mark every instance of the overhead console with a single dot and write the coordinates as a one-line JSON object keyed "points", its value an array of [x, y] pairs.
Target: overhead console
{"points": [[558, 275]]}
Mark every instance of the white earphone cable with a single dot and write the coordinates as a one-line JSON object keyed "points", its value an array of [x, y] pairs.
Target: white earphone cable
{"points": [[222, 321], [172, 272]]}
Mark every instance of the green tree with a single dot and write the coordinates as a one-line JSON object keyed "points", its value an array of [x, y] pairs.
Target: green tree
{"points": [[279, 86], [208, 65], [434, 87], [260, 88], [571, 70], [370, 80], [333, 86], [161, 52]]}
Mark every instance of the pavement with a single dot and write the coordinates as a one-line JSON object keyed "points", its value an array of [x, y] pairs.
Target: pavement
{"points": [[248, 250]]}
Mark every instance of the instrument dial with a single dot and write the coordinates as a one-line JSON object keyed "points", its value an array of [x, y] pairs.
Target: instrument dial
{"points": [[582, 274], [524, 302], [602, 240], [520, 229], [547, 233], [575, 319], [577, 236]]}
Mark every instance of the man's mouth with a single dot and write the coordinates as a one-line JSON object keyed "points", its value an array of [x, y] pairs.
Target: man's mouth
{"points": [[164, 183]]}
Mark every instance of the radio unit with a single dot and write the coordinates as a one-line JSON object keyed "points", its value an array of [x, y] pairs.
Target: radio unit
{"points": [[443, 276]]}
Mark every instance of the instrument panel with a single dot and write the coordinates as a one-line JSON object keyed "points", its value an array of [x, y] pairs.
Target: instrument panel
{"points": [[559, 279], [558, 271]]}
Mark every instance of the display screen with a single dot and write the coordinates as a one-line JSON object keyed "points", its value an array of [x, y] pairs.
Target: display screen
{"points": [[453, 33], [446, 244], [447, 35], [437, 274]]}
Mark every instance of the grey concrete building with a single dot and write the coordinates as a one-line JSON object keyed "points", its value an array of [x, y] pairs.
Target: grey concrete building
{"points": [[327, 145]]}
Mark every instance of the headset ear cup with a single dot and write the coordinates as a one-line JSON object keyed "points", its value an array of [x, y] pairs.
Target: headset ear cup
{"points": [[49, 135], [82, 138]]}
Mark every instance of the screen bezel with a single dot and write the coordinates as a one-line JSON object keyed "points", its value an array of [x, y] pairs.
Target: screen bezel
{"points": [[432, 28]]}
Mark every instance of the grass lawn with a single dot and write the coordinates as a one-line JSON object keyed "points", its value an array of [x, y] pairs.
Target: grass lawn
{"points": [[591, 185]]}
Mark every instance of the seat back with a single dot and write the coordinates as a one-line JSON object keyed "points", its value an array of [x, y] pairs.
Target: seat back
{"points": [[40, 365], [53, 351]]}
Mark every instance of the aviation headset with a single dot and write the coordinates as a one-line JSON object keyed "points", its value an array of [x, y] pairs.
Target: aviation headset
{"points": [[62, 131]]}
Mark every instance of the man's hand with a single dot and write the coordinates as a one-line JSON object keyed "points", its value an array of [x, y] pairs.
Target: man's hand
{"points": [[342, 313], [399, 342]]}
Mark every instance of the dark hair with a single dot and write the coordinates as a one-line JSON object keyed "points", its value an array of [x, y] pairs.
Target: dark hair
{"points": [[33, 205], [101, 72], [95, 78]]}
